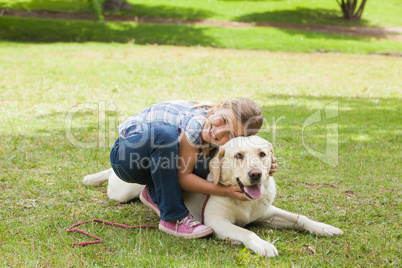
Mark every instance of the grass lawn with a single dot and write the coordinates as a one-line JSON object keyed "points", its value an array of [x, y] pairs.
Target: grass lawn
{"points": [[51, 30], [258, 38], [376, 13], [42, 166]]}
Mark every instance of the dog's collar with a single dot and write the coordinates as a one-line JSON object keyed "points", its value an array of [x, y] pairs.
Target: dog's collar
{"points": [[203, 208]]}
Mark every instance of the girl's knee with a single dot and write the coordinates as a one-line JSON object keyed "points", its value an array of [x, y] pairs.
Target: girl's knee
{"points": [[166, 135]]}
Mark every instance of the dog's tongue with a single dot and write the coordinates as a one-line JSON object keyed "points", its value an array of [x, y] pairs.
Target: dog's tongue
{"points": [[253, 191]]}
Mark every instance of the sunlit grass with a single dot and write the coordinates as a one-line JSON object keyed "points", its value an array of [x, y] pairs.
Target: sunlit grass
{"points": [[42, 170]]}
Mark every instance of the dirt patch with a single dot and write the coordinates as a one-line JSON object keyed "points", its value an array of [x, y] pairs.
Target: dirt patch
{"points": [[394, 33], [319, 186]]}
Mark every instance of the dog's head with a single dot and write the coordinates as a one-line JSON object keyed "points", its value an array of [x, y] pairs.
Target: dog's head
{"points": [[243, 161]]}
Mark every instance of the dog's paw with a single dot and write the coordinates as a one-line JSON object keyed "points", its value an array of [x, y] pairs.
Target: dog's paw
{"points": [[263, 248], [325, 230], [91, 180], [87, 180]]}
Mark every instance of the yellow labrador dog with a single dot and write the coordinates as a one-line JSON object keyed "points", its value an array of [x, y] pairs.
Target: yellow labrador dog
{"points": [[243, 161]]}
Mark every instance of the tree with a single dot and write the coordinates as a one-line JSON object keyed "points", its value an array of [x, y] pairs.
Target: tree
{"points": [[116, 5], [98, 6], [349, 9]]}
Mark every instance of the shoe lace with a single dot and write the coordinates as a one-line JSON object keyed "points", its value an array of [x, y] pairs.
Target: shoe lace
{"points": [[189, 221]]}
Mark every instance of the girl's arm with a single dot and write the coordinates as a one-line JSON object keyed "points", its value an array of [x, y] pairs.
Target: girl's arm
{"points": [[190, 182]]}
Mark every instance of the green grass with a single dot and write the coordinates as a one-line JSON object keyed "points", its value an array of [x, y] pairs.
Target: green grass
{"points": [[322, 12], [377, 12], [41, 30], [41, 179]]}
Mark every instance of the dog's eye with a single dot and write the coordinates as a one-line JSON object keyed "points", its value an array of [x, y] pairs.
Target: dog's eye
{"points": [[239, 156], [262, 154]]}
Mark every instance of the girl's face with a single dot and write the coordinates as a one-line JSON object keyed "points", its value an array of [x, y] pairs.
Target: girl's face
{"points": [[221, 126]]}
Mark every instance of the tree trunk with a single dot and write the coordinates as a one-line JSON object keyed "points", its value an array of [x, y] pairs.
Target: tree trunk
{"points": [[349, 9], [116, 5]]}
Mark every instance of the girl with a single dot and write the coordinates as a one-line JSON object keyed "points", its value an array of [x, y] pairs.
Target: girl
{"points": [[167, 147]]}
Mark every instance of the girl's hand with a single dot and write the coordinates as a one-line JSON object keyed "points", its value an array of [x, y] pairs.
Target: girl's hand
{"points": [[235, 192], [274, 165]]}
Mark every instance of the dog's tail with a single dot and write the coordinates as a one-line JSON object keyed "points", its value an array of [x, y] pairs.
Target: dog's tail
{"points": [[98, 178]]}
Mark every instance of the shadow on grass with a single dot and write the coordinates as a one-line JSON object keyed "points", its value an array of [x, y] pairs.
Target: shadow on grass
{"points": [[353, 114], [160, 11], [359, 130], [300, 15], [48, 31], [51, 30], [168, 12], [49, 5]]}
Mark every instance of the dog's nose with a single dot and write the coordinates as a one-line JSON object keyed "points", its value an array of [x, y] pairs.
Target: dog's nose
{"points": [[255, 175]]}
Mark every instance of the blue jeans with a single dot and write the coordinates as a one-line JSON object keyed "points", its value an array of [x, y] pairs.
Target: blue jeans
{"points": [[151, 158]]}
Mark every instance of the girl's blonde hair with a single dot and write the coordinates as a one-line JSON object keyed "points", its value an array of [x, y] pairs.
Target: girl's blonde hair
{"points": [[248, 113]]}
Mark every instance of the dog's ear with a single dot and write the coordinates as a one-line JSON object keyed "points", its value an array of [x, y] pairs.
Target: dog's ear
{"points": [[271, 148], [215, 165]]}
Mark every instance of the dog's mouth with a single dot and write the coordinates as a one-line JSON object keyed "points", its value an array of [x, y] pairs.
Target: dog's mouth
{"points": [[252, 192]]}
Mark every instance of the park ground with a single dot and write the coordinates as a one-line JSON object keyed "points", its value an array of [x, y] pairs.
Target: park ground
{"points": [[66, 84]]}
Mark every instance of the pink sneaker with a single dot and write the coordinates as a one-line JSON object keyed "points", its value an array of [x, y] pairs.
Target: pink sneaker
{"points": [[186, 228], [146, 199]]}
